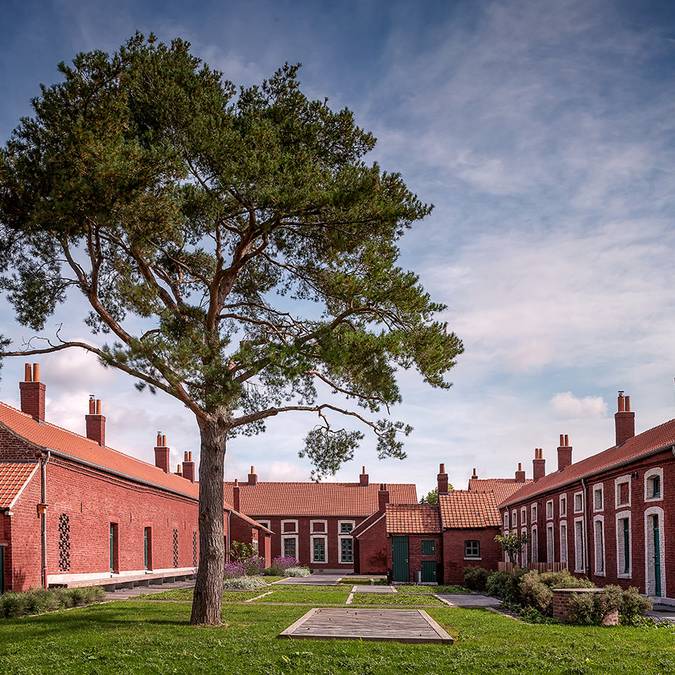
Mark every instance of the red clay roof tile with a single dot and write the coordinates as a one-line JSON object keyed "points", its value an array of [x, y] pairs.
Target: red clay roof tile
{"points": [[13, 477], [502, 487], [464, 509], [413, 519]]}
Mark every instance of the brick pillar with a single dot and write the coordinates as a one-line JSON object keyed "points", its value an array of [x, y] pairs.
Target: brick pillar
{"points": [[33, 393]]}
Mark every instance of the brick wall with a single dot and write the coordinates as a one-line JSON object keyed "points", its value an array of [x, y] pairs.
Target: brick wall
{"points": [[372, 549], [454, 561]]}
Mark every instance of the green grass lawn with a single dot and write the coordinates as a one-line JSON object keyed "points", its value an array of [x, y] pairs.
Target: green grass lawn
{"points": [[395, 599], [154, 637]]}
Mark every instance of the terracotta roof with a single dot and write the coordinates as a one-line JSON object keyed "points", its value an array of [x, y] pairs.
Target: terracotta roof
{"points": [[70, 444], [316, 499], [635, 448], [413, 519], [502, 487], [13, 477], [464, 509]]}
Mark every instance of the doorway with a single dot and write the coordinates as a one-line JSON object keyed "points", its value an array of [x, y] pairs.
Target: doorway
{"points": [[399, 549], [655, 577]]}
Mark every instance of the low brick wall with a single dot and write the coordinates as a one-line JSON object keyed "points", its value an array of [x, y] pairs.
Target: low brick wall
{"points": [[561, 608]]}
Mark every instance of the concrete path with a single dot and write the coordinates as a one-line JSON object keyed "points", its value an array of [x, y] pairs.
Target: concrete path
{"points": [[362, 588], [126, 593], [311, 580], [664, 613], [468, 600]]}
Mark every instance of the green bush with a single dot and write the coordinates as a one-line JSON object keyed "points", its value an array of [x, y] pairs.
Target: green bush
{"points": [[583, 610], [633, 607], [248, 583], [535, 593], [563, 579], [505, 585], [274, 571], [475, 578], [37, 601]]}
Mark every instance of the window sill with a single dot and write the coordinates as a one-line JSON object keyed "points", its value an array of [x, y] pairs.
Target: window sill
{"points": [[624, 576], [654, 499], [623, 506], [472, 558]]}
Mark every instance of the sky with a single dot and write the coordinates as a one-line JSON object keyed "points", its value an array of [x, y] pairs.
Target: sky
{"points": [[544, 135]]}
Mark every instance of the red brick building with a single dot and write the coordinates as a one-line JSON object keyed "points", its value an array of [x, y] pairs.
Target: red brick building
{"points": [[313, 522], [435, 543], [74, 511], [610, 516]]}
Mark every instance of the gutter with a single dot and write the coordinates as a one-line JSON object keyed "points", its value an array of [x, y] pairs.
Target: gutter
{"points": [[611, 467]]}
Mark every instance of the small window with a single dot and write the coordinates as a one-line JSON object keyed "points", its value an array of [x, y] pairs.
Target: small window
{"points": [[598, 498], [622, 491], [289, 547], [523, 515], [289, 526], [428, 547], [147, 548], [653, 484], [549, 509], [346, 526], [318, 526], [578, 502], [523, 550], [472, 548], [533, 513], [563, 505], [265, 523], [514, 518], [506, 520]]}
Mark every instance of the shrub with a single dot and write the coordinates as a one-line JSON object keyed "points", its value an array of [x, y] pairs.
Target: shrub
{"points": [[253, 565], [250, 583], [283, 562], [563, 579], [535, 593], [274, 571], [633, 607], [505, 585], [297, 572], [475, 578], [39, 600], [582, 609], [239, 551], [234, 569]]}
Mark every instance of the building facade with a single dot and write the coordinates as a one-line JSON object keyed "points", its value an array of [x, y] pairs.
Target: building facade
{"points": [[610, 516], [75, 512]]}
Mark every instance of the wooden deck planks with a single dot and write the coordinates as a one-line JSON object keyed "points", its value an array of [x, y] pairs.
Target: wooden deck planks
{"points": [[404, 625]]}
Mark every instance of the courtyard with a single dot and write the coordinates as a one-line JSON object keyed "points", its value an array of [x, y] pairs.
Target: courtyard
{"points": [[151, 634]]}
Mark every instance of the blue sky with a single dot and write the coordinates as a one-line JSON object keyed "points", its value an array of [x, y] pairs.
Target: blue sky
{"points": [[544, 134]]}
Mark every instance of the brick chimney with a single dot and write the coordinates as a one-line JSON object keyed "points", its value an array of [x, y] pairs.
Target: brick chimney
{"points": [[442, 480], [474, 475], [179, 470], [252, 476], [188, 466], [382, 497], [564, 452], [95, 421], [624, 420], [538, 464], [363, 478], [236, 497], [520, 474], [162, 453], [33, 392]]}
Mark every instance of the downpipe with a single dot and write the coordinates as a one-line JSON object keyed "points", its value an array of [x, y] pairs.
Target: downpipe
{"points": [[42, 507]]}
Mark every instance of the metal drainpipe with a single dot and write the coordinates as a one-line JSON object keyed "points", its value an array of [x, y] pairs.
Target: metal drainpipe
{"points": [[584, 489], [43, 524]]}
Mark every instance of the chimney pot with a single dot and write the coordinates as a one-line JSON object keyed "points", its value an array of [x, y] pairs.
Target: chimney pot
{"points": [[252, 476], [564, 452], [32, 393], [27, 373], [36, 372], [364, 479], [162, 454]]}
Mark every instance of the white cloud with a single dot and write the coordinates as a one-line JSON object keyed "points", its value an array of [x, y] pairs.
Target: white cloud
{"points": [[568, 406]]}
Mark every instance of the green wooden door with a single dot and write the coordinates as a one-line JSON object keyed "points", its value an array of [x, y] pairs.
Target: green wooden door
{"points": [[657, 556], [399, 554], [429, 571]]}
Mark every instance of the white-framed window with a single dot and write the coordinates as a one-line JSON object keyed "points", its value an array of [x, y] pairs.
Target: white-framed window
{"points": [[318, 547], [622, 491], [533, 513], [624, 545], [506, 521], [534, 545], [318, 526], [289, 527], [289, 546], [523, 515], [514, 518], [563, 541], [654, 485], [523, 550], [550, 545], [578, 502], [599, 545], [345, 541], [472, 549], [579, 555], [655, 552], [562, 505], [598, 497], [549, 509], [265, 523]]}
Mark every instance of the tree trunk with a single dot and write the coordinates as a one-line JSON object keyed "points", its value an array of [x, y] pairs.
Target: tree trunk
{"points": [[206, 603]]}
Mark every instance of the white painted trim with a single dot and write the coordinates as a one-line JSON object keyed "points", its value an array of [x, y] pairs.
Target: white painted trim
{"points": [[656, 471], [599, 519], [293, 531], [579, 545], [313, 531], [297, 545], [598, 487], [549, 502], [579, 494], [562, 513], [655, 511], [339, 527], [23, 487], [514, 518], [377, 520], [523, 515], [340, 538], [100, 576], [325, 549], [265, 523], [620, 516], [626, 478], [563, 542]]}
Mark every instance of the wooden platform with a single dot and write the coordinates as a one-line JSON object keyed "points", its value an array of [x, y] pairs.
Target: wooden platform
{"points": [[403, 625]]}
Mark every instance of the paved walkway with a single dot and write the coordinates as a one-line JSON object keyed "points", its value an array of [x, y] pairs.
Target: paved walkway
{"points": [[126, 593], [361, 588], [311, 580], [468, 600], [665, 613], [407, 625]]}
